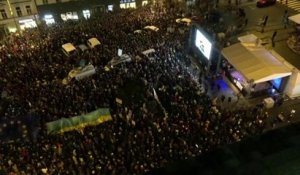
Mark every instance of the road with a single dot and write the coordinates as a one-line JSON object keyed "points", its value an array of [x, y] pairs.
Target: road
{"points": [[293, 4], [275, 14]]}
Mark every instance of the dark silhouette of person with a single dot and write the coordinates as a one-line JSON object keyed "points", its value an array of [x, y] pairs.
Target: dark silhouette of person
{"points": [[273, 37], [264, 23]]}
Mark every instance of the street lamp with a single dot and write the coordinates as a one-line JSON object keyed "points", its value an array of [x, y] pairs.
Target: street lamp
{"points": [[13, 15]]}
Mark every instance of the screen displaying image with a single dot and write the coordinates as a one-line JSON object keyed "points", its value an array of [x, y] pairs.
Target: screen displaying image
{"points": [[276, 82], [203, 44]]}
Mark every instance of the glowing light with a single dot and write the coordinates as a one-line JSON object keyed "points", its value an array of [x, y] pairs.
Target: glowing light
{"points": [[277, 82], [48, 16], [273, 91], [49, 19], [144, 3], [9, 6], [86, 14], [110, 7], [12, 30]]}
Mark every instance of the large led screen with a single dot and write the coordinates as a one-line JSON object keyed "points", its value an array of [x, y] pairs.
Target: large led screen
{"points": [[203, 44]]}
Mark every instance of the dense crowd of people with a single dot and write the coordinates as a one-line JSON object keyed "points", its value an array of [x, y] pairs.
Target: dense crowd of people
{"points": [[148, 130]]}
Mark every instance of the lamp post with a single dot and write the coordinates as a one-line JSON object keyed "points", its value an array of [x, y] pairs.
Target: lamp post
{"points": [[34, 15], [13, 15]]}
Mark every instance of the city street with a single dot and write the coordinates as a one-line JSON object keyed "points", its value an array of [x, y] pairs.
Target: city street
{"points": [[116, 87], [275, 23], [293, 4]]}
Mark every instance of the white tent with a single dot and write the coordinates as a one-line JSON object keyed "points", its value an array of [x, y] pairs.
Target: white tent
{"points": [[92, 42], [183, 20], [247, 38], [295, 18], [68, 48], [255, 64], [117, 60], [187, 20], [146, 52], [152, 28], [82, 72], [137, 31], [250, 39]]}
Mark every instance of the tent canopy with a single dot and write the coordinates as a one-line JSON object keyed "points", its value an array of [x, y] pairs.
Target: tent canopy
{"points": [[146, 52], [295, 18], [251, 38], [152, 28], [82, 72], [92, 42], [117, 60], [187, 20], [255, 64], [137, 31], [68, 47], [183, 20]]}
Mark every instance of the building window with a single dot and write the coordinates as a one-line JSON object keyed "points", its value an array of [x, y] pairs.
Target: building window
{"points": [[99, 9], [86, 14], [49, 19], [69, 15], [19, 12], [27, 23], [58, 1], [124, 4], [45, 1], [28, 9], [3, 13], [110, 8]]}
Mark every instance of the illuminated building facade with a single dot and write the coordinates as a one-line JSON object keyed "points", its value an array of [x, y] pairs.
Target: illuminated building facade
{"points": [[17, 15]]}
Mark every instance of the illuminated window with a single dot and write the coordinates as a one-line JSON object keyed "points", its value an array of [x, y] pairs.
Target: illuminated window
{"points": [[19, 12], [126, 1], [27, 23], [122, 6], [74, 15], [69, 15], [63, 17], [86, 14], [127, 5], [28, 9], [49, 19], [132, 5], [110, 7], [144, 3], [3, 13], [99, 9], [12, 30]]}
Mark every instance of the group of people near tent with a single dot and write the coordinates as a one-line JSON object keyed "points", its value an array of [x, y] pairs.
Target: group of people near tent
{"points": [[159, 112]]}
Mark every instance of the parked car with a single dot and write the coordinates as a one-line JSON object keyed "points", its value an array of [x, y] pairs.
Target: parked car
{"points": [[265, 3]]}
